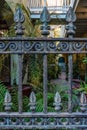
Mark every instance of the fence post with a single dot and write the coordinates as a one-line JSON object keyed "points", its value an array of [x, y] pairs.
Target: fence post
{"points": [[70, 28], [45, 18], [19, 19]]}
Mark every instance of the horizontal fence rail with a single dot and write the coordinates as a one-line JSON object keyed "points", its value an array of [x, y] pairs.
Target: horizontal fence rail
{"points": [[53, 45], [42, 121]]}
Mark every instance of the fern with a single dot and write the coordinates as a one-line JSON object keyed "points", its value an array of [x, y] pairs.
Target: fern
{"points": [[14, 94], [2, 95]]}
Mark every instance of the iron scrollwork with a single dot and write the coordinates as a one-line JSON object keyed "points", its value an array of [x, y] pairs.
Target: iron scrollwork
{"points": [[33, 46], [64, 46], [77, 46], [51, 46], [60, 46], [27, 46], [11, 46], [46, 122], [2, 46], [39, 46]]}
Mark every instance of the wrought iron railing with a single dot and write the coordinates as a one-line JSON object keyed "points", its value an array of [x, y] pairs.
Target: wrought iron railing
{"points": [[42, 3], [20, 45], [52, 5]]}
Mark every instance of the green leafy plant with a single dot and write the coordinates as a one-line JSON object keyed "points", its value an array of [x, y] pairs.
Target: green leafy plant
{"points": [[85, 62], [50, 97], [52, 67], [2, 95], [63, 91], [14, 95], [35, 71], [83, 88]]}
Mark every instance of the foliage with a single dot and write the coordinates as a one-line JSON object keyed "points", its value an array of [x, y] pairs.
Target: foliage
{"points": [[39, 96], [35, 70], [31, 30], [63, 91], [50, 97], [14, 95], [82, 88], [76, 70], [2, 95], [11, 31], [52, 67], [84, 60], [34, 67], [2, 59], [75, 100]]}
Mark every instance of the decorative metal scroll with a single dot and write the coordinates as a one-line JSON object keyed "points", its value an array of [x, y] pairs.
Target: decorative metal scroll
{"points": [[57, 46]]}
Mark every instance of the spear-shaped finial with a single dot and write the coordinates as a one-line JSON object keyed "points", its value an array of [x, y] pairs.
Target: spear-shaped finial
{"points": [[83, 102], [7, 102], [57, 101], [19, 19], [45, 19], [32, 101], [70, 18]]}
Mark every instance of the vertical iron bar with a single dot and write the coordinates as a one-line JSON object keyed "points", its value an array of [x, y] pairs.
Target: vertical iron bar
{"points": [[45, 18], [86, 72], [70, 18], [19, 19], [45, 82], [70, 68], [20, 84]]}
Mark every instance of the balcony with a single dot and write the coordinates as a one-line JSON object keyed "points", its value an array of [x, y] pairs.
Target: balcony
{"points": [[57, 8]]}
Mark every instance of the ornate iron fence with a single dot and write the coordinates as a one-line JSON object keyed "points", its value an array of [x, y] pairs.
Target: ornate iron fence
{"points": [[20, 45]]}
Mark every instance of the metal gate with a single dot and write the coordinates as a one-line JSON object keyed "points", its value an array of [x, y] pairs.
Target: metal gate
{"points": [[45, 46]]}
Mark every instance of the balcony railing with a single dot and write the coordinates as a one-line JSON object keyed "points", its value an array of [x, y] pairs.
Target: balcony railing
{"points": [[56, 6]]}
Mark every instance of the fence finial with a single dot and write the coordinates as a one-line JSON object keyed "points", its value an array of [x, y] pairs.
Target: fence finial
{"points": [[45, 19], [7, 102], [83, 102], [32, 101], [19, 19], [57, 101], [70, 18]]}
